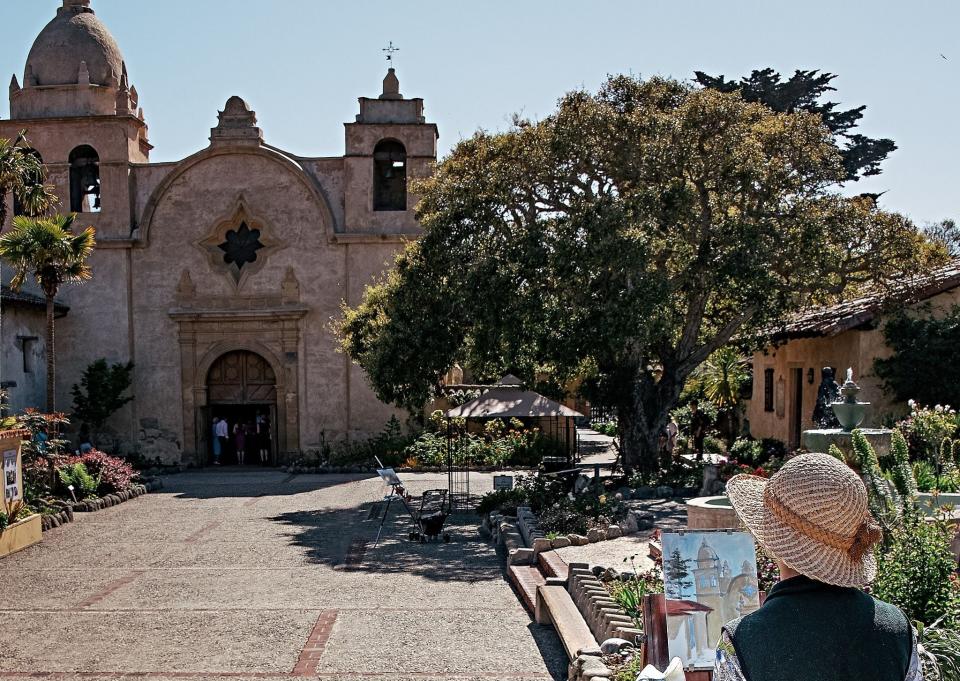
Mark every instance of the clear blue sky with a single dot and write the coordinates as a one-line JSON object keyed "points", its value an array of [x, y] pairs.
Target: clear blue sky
{"points": [[301, 64]]}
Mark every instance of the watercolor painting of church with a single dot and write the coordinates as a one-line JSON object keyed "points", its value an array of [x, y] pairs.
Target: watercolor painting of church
{"points": [[710, 578]]}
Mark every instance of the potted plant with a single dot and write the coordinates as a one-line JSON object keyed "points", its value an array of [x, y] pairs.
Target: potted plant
{"points": [[18, 529]]}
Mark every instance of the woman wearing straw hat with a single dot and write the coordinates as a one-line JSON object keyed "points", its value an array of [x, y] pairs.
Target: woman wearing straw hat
{"points": [[816, 624]]}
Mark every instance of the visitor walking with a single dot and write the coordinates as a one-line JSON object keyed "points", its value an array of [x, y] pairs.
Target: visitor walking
{"points": [[699, 423], [240, 441], [221, 433], [812, 518], [217, 446], [263, 437]]}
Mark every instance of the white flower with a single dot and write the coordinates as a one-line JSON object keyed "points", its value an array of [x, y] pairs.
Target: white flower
{"points": [[938, 409], [911, 404]]}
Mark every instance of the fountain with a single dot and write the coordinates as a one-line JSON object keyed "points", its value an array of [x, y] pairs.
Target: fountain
{"points": [[850, 413]]}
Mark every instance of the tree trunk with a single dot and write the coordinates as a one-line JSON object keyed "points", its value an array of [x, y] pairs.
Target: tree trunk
{"points": [[51, 356], [644, 416]]}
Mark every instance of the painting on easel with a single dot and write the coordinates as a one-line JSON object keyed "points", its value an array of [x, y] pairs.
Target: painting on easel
{"points": [[710, 578]]}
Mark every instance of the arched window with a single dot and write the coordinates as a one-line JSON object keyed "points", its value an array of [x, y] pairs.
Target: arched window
{"points": [[389, 176], [34, 178], [84, 180]]}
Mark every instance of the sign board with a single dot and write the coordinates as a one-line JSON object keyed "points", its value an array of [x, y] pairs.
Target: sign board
{"points": [[502, 482], [12, 484]]}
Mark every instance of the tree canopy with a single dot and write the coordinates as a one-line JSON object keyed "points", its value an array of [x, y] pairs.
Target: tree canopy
{"points": [[803, 91], [625, 238], [923, 366]]}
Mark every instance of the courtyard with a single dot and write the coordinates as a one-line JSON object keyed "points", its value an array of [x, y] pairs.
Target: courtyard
{"points": [[239, 574]]}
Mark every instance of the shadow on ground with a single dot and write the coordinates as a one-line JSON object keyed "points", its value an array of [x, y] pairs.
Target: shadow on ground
{"points": [[217, 483], [346, 540]]}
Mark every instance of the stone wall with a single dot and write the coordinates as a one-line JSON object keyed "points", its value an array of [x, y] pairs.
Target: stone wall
{"points": [[21, 322]]}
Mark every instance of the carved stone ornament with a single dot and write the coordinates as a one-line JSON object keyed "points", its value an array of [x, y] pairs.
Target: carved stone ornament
{"points": [[239, 244]]}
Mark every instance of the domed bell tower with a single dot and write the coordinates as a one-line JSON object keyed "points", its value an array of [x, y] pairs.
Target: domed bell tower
{"points": [[75, 97], [390, 144]]}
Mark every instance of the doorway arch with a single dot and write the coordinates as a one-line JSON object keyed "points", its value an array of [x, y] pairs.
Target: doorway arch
{"points": [[242, 388]]}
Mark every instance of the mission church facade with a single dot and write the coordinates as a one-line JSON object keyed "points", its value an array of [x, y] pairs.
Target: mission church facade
{"points": [[218, 275]]}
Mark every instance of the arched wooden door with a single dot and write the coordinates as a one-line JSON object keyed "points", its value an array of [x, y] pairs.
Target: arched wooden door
{"points": [[242, 389], [241, 377]]}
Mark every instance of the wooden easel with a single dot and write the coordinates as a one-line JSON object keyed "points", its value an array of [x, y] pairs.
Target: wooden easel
{"points": [[656, 649]]}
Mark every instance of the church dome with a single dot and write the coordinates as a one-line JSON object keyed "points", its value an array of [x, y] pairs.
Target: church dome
{"points": [[75, 35], [706, 553]]}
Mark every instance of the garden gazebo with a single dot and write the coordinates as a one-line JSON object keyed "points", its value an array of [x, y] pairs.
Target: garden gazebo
{"points": [[506, 400]]}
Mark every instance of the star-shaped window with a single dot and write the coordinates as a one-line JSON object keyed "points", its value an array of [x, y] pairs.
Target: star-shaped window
{"points": [[241, 246]]}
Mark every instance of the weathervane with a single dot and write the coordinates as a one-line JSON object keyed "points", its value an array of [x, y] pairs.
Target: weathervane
{"points": [[390, 50]]}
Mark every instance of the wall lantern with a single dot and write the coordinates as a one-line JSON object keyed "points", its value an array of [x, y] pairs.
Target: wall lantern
{"points": [[810, 375]]}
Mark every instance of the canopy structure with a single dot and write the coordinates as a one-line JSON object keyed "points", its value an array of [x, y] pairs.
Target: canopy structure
{"points": [[508, 400]]}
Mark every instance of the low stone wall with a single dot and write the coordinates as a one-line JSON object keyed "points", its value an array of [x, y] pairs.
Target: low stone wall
{"points": [[704, 514], [602, 614], [68, 509], [504, 529]]}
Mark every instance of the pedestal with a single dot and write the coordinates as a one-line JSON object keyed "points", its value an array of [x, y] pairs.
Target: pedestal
{"points": [[819, 441]]}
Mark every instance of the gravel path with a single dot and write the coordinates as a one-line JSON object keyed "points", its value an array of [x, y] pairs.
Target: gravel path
{"points": [[232, 575]]}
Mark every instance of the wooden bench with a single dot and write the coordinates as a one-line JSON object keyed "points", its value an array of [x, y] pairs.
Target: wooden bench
{"points": [[556, 607]]}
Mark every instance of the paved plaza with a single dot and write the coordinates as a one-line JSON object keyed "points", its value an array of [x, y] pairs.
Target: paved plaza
{"points": [[235, 574]]}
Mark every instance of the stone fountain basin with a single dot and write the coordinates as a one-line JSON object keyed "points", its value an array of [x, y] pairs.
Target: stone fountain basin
{"points": [[713, 513]]}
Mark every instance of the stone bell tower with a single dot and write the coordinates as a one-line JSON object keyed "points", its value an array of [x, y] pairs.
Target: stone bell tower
{"points": [[75, 97], [389, 144], [82, 118]]}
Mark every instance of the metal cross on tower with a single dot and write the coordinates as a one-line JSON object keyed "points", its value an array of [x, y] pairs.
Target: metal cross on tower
{"points": [[390, 50]]}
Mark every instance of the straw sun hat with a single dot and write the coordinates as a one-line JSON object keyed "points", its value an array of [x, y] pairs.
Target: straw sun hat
{"points": [[813, 516]]}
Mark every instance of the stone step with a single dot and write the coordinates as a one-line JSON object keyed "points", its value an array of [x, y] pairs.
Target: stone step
{"points": [[526, 579], [554, 606], [552, 565]]}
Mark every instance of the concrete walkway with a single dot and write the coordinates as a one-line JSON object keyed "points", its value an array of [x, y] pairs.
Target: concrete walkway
{"points": [[231, 574]]}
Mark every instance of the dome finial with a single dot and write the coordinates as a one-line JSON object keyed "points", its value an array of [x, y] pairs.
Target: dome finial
{"points": [[76, 6]]}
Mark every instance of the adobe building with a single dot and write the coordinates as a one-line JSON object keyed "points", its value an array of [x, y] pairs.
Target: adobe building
{"points": [[786, 375], [217, 275]]}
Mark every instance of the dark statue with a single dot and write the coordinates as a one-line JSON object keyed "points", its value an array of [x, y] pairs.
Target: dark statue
{"points": [[827, 394]]}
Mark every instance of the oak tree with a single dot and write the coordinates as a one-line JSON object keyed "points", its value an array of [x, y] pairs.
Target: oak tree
{"points": [[624, 238]]}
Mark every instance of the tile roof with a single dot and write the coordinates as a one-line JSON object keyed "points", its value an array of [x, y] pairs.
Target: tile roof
{"points": [[8, 295], [835, 319]]}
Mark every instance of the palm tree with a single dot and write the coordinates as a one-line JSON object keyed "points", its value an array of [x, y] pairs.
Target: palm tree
{"points": [[720, 379], [48, 250], [22, 173]]}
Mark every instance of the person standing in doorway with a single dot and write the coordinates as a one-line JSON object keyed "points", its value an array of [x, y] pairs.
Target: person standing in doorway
{"points": [[217, 447], [221, 434], [263, 437], [240, 440]]}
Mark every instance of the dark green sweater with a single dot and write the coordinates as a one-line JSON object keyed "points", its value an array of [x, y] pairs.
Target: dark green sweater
{"points": [[809, 631]]}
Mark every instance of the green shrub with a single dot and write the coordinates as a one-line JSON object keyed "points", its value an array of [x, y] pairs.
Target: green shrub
{"points": [[917, 571], [884, 501], [926, 428], [505, 501], [388, 446], [925, 476], [608, 428], [941, 647], [714, 445], [900, 470], [563, 517], [747, 451], [76, 475]]}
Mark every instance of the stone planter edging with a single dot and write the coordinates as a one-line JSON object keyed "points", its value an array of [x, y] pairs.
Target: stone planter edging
{"points": [[66, 515]]}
